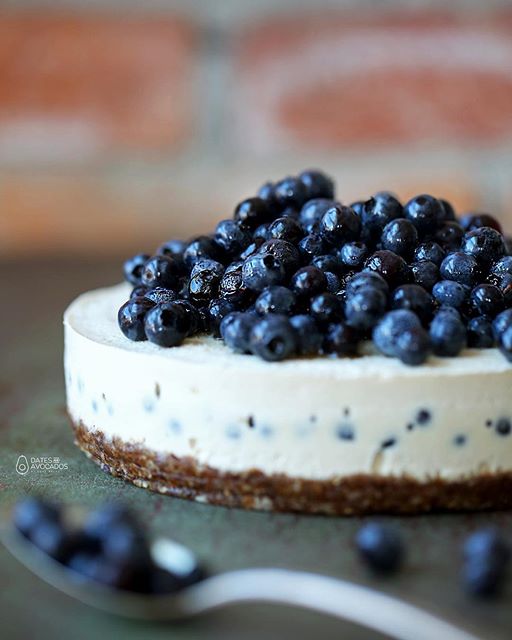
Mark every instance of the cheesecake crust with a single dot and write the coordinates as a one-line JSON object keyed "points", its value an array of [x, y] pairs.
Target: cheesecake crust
{"points": [[184, 477]]}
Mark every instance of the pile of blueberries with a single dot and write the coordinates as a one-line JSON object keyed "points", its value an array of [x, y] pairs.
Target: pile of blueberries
{"points": [[297, 273], [110, 548]]}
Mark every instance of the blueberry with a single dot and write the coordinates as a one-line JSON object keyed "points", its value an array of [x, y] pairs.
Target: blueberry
{"points": [[311, 246], [231, 237], [483, 577], [449, 235], [276, 299], [29, 513], [317, 184], [51, 538], [312, 212], [447, 334], [480, 333], [217, 310], [253, 212], [273, 338], [326, 308], [167, 324], [341, 339], [235, 330], [381, 547], [140, 291], [308, 282], [333, 282], [502, 322], [327, 263], [196, 317], [505, 343], [309, 338], [460, 267], [366, 279], [205, 278], [290, 192], [377, 212], [131, 318], [501, 267], [450, 293], [399, 334], [173, 248], [133, 267], [250, 250], [486, 300], [505, 286], [448, 210], [353, 254], [390, 266], [340, 224], [430, 251], [485, 244], [261, 232], [400, 236], [161, 271], [487, 543], [266, 193], [231, 285], [99, 521], [160, 295], [364, 308], [126, 543], [473, 221], [262, 270], [285, 229], [414, 298], [425, 273], [358, 206], [286, 252], [199, 248], [425, 212]]}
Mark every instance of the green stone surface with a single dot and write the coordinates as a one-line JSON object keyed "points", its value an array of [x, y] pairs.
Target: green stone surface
{"points": [[33, 422]]}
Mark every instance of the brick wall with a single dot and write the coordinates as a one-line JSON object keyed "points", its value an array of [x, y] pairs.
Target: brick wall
{"points": [[124, 124]]}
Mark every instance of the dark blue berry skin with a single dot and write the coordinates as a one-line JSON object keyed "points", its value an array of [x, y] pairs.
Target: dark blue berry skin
{"points": [[195, 318], [364, 308], [366, 279], [449, 235], [131, 317], [204, 281], [502, 322], [286, 252], [312, 212], [261, 232], [448, 210], [251, 249], [425, 212], [447, 334], [273, 338], [326, 308], [333, 282], [483, 577], [317, 184], [262, 270], [161, 271], [486, 559], [309, 338], [486, 300], [378, 211], [285, 229], [139, 291], [480, 333], [31, 512], [473, 221], [390, 266], [252, 212], [173, 248], [353, 254], [308, 282], [414, 298], [486, 245], [430, 251], [487, 543], [266, 193], [235, 330], [275, 299], [218, 309], [501, 267], [160, 295], [358, 206], [339, 225], [381, 547], [201, 247], [400, 236], [99, 521], [126, 543], [231, 237], [424, 273], [341, 339], [133, 268], [504, 284], [400, 335], [451, 293], [505, 343], [311, 246], [167, 324], [461, 267], [232, 288], [327, 263], [290, 192]]}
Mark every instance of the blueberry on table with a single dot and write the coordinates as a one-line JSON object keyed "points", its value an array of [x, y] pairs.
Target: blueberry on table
{"points": [[462, 268], [262, 270], [425, 212], [505, 343], [204, 280], [364, 308], [311, 245], [273, 338], [275, 299], [333, 282], [487, 542], [199, 248], [326, 308], [392, 267], [365, 279], [160, 294], [414, 298], [473, 221], [139, 291], [341, 339], [285, 228], [430, 251], [480, 334], [378, 211], [327, 262], [317, 184], [99, 521], [290, 191], [161, 271], [447, 334], [450, 293], [399, 334], [501, 267], [485, 245], [167, 324], [449, 235], [131, 318], [309, 337], [448, 210], [486, 560], [252, 212], [29, 513], [232, 237], [312, 212], [286, 252], [483, 577], [340, 224], [353, 254], [133, 267], [424, 273], [486, 300], [173, 248], [381, 547], [218, 309], [235, 330], [308, 282], [400, 236]]}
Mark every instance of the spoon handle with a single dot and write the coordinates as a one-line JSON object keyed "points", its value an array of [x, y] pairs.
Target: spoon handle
{"points": [[323, 594]]}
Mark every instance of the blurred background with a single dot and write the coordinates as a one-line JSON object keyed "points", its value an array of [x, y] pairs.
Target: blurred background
{"points": [[126, 123]]}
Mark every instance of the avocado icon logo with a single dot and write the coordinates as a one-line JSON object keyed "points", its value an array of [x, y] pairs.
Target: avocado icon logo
{"points": [[22, 465]]}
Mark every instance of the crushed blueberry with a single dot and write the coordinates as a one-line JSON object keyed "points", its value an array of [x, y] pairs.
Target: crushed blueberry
{"points": [[334, 275]]}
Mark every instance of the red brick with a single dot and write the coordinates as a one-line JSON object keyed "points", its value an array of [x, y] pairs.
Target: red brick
{"points": [[85, 84], [341, 81]]}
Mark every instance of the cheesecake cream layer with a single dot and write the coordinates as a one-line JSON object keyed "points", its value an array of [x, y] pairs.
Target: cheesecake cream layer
{"points": [[320, 419]]}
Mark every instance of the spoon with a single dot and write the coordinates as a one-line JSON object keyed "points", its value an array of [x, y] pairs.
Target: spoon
{"points": [[337, 598]]}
